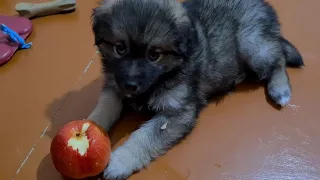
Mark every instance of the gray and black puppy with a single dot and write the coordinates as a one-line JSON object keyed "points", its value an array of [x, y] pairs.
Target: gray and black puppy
{"points": [[170, 58]]}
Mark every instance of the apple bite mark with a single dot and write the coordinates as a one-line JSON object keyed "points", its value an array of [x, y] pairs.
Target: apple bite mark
{"points": [[79, 141]]}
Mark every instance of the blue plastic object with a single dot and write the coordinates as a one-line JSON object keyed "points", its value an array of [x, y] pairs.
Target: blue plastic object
{"points": [[14, 36]]}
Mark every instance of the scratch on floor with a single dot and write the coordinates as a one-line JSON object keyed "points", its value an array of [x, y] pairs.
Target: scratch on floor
{"points": [[56, 113], [92, 59], [307, 139], [260, 140], [293, 106], [44, 132], [25, 160], [87, 67]]}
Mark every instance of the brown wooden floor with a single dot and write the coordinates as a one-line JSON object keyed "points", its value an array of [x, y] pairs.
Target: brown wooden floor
{"points": [[242, 138]]}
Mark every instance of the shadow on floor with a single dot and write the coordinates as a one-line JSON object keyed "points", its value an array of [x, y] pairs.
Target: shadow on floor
{"points": [[47, 171], [74, 105], [245, 88], [79, 103]]}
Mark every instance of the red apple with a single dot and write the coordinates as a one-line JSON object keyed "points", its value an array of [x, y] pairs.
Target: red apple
{"points": [[80, 149]]}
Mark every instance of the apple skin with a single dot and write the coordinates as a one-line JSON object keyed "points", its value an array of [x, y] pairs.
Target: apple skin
{"points": [[80, 149]]}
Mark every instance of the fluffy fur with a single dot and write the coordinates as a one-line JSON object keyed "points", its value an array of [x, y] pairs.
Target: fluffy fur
{"points": [[170, 58]]}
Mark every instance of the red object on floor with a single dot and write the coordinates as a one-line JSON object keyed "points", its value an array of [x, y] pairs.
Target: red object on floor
{"points": [[22, 26]]}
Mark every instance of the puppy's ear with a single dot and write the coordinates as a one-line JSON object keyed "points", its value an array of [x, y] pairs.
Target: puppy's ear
{"points": [[182, 21], [97, 22], [102, 10]]}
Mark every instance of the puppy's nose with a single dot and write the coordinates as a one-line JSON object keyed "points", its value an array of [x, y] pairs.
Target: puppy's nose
{"points": [[131, 86]]}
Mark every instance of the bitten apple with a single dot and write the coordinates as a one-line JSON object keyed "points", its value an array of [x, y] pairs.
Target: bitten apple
{"points": [[80, 149]]}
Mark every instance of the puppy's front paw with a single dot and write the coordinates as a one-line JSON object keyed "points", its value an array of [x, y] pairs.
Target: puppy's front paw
{"points": [[122, 164]]}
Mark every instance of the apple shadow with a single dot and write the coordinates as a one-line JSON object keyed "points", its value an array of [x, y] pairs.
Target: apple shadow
{"points": [[47, 171]]}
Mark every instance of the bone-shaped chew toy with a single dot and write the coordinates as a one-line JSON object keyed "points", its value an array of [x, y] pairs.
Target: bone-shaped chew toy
{"points": [[31, 10]]}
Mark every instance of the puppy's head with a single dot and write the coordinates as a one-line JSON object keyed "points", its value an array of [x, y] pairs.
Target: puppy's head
{"points": [[140, 40]]}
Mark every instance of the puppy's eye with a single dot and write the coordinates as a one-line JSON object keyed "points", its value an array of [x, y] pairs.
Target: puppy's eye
{"points": [[154, 55], [120, 48]]}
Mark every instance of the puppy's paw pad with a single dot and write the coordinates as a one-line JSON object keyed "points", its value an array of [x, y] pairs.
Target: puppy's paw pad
{"points": [[280, 96]]}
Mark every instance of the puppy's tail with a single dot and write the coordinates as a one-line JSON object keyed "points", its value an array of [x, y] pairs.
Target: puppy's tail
{"points": [[292, 55]]}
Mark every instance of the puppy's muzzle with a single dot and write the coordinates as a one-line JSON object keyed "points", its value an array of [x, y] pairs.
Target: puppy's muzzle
{"points": [[131, 86]]}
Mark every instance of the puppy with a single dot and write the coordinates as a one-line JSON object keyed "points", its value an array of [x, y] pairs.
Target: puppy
{"points": [[170, 58]]}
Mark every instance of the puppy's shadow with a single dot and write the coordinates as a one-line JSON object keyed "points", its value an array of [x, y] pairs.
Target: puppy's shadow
{"points": [[246, 87], [78, 104], [73, 105], [252, 86]]}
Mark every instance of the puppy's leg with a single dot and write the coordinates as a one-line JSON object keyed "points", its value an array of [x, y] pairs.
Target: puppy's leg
{"points": [[108, 109], [259, 52], [265, 56], [279, 88], [152, 140]]}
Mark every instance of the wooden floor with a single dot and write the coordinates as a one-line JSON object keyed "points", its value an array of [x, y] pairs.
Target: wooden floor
{"points": [[242, 138]]}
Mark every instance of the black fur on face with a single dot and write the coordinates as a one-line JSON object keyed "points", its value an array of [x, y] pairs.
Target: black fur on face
{"points": [[139, 46]]}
